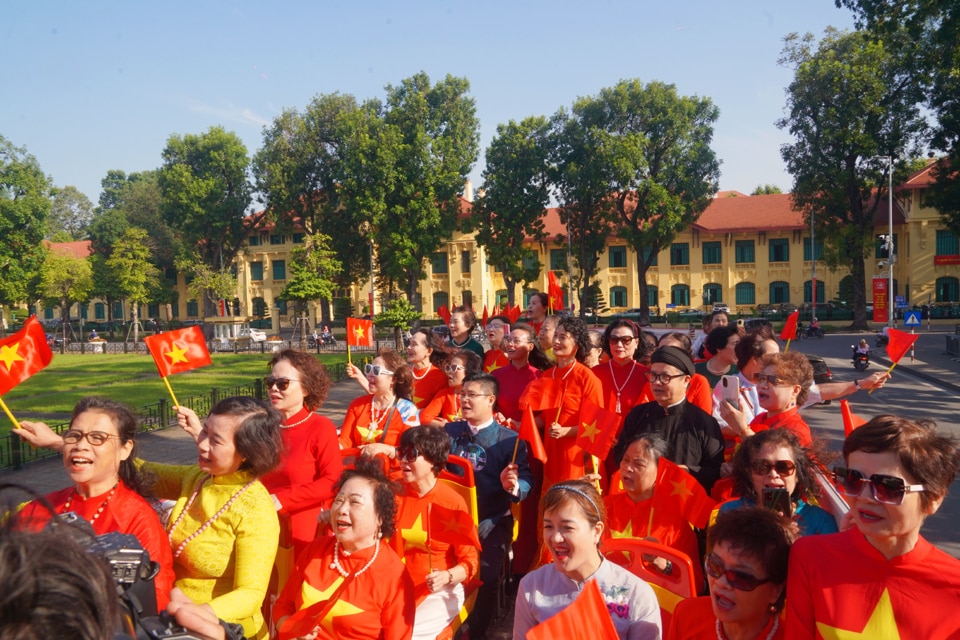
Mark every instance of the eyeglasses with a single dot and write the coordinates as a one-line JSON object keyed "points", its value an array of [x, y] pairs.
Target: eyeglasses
{"points": [[663, 378], [771, 380], [376, 370], [515, 340], [784, 468], [471, 396], [407, 454], [280, 383], [739, 580], [885, 489], [453, 368], [624, 340], [96, 438]]}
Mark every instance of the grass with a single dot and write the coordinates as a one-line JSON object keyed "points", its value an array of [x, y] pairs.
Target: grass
{"points": [[129, 378]]}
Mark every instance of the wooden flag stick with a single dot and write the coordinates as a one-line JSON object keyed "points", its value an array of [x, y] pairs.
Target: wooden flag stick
{"points": [[787, 347], [6, 410], [516, 444], [596, 470], [170, 389], [349, 361], [888, 373]]}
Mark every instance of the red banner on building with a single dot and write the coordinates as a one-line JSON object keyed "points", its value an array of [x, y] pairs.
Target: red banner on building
{"points": [[880, 299]]}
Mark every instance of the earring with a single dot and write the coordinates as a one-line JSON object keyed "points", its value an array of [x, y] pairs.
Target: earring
{"points": [[773, 608]]}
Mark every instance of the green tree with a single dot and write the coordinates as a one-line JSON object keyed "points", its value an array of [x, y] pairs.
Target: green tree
{"points": [[208, 285], [313, 272], [24, 206], [516, 190], [133, 275], [849, 102], [70, 214], [766, 190], [400, 315], [64, 280], [106, 228]]}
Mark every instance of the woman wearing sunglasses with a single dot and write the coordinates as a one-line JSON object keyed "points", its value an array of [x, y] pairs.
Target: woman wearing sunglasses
{"points": [[774, 460], [445, 406], [438, 569], [881, 578], [624, 380], [374, 422], [99, 449], [746, 565]]}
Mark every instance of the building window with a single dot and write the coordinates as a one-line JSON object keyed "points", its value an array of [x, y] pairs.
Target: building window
{"points": [[680, 294], [193, 309], [653, 296], [618, 296], [530, 261], [254, 240], [281, 305], [948, 243], [100, 311], [779, 250], [175, 309], [948, 289], [712, 293], [279, 268], [680, 253], [558, 259], [83, 311], [467, 299], [298, 238], [440, 298], [779, 292], [881, 249], [153, 310], [256, 271], [465, 262], [712, 252], [260, 308], [806, 249], [820, 291], [236, 306], [527, 294], [276, 238], [501, 298], [744, 251], [118, 310], [618, 258], [646, 254], [439, 262], [746, 293]]}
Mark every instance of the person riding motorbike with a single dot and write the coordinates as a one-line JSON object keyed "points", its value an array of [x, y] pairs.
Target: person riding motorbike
{"points": [[861, 355]]}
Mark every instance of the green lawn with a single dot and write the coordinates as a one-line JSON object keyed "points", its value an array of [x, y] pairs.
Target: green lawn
{"points": [[129, 378]]}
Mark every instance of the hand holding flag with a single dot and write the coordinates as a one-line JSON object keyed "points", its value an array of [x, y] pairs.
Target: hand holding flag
{"points": [[898, 345], [598, 428], [530, 433], [21, 355], [359, 334]]}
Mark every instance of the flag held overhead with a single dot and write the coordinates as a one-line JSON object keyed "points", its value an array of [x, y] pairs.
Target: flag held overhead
{"points": [[23, 354], [178, 351]]}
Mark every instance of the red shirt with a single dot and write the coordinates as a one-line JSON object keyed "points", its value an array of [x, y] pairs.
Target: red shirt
{"points": [[494, 359], [630, 378], [433, 381], [513, 382], [790, 420], [358, 426], [445, 406], [693, 619], [700, 393]]}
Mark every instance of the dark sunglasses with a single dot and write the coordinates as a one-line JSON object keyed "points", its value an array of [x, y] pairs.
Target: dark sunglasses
{"points": [[407, 454], [624, 340], [280, 383], [784, 468], [885, 489], [739, 580]]}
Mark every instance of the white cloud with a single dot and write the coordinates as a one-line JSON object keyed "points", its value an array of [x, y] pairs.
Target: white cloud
{"points": [[228, 112]]}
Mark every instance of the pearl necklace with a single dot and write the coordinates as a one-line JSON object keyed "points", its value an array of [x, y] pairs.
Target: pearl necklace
{"points": [[210, 520], [375, 419], [297, 423], [773, 631], [425, 372], [343, 572], [620, 388], [66, 505]]}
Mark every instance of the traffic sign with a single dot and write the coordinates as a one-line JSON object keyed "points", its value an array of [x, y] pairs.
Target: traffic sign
{"points": [[911, 319]]}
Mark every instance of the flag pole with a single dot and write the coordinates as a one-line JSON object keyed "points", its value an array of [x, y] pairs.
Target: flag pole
{"points": [[6, 410], [888, 373], [516, 445], [349, 361], [429, 555], [170, 389], [787, 347]]}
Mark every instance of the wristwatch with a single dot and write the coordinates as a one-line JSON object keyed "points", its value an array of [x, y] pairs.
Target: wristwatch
{"points": [[856, 383]]}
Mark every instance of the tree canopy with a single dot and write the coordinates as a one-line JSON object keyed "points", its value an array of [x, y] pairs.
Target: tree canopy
{"points": [[70, 215]]}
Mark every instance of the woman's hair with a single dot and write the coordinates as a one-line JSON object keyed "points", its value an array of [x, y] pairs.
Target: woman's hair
{"points": [[649, 342], [760, 534], [384, 496], [125, 420], [578, 329], [538, 357], [438, 355], [807, 486], [680, 337], [652, 444], [402, 373], [544, 299], [629, 324], [581, 492], [469, 317], [793, 368], [471, 361], [930, 457], [718, 337], [432, 443], [313, 376], [257, 439], [751, 345]]}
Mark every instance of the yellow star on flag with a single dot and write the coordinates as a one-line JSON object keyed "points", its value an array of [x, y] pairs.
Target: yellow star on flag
{"points": [[312, 595], [493, 365], [416, 536], [590, 430], [369, 435], [452, 525], [881, 624], [177, 354], [626, 533], [359, 333], [9, 355], [417, 400], [681, 489]]}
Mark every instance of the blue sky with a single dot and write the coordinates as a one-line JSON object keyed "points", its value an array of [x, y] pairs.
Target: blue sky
{"points": [[97, 85]]}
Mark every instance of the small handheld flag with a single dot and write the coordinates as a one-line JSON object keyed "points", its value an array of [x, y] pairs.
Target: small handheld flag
{"points": [[178, 351], [21, 355]]}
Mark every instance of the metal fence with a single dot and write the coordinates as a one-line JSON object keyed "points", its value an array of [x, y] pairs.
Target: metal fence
{"points": [[218, 346]]}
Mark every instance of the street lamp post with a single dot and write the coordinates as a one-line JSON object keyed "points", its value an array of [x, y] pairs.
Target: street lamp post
{"points": [[889, 239]]}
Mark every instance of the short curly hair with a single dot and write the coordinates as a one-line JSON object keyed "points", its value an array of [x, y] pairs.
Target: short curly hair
{"points": [[578, 329], [718, 338], [432, 443], [793, 368], [257, 438], [313, 376], [384, 491]]}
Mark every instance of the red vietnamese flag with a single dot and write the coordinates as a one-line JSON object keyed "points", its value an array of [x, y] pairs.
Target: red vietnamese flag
{"points": [[513, 313], [359, 332], [23, 354], [453, 526], [900, 343], [496, 310], [587, 618], [530, 433], [178, 351], [850, 420], [678, 491], [598, 428], [554, 292], [444, 313], [542, 394], [790, 326], [486, 316]]}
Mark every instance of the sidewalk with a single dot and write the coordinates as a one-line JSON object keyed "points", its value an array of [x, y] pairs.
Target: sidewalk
{"points": [[171, 446], [931, 362]]}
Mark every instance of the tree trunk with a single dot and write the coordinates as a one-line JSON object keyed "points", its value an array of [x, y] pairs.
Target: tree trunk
{"points": [[413, 294], [511, 286], [644, 290], [135, 318]]}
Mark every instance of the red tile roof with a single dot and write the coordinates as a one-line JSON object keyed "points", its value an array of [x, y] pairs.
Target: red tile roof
{"points": [[750, 213], [921, 179], [78, 248]]}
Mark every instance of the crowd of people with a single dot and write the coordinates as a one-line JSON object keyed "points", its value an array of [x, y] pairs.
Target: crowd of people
{"points": [[736, 487]]}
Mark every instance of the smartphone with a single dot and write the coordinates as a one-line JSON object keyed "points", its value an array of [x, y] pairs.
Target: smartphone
{"points": [[739, 322], [777, 499], [730, 387]]}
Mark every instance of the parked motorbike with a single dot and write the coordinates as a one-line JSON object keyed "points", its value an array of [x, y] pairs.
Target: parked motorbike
{"points": [[323, 339], [860, 360]]}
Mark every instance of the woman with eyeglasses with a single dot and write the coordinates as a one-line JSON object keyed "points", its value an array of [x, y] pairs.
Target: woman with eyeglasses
{"points": [[462, 323], [573, 523], [99, 449], [495, 357], [746, 565], [374, 422], [438, 569], [782, 386], [774, 460], [310, 464], [881, 578], [445, 406]]}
